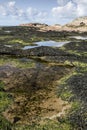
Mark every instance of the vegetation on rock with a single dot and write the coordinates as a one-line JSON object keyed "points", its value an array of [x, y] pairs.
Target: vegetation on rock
{"points": [[42, 88]]}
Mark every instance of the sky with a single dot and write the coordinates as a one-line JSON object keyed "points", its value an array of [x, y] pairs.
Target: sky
{"points": [[15, 12]]}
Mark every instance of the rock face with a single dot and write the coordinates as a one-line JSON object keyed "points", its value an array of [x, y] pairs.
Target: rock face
{"points": [[78, 22], [34, 25], [55, 27], [79, 25], [43, 27]]}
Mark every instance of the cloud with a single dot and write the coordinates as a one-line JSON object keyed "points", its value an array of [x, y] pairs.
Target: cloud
{"points": [[80, 1], [62, 2], [11, 4], [69, 9], [31, 14], [3, 11], [81, 8], [34, 14], [14, 11], [65, 11]]}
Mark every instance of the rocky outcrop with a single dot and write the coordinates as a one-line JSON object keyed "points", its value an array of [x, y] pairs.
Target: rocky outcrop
{"points": [[78, 22], [79, 25], [43, 27], [30, 88], [30, 80], [55, 27], [34, 25]]}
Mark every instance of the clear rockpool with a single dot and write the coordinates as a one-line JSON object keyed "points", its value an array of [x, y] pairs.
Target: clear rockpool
{"points": [[47, 43]]}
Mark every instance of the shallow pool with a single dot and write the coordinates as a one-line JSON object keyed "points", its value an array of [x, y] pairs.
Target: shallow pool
{"points": [[46, 43], [79, 37]]}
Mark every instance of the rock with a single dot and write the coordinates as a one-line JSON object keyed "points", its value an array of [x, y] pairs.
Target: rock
{"points": [[32, 80], [78, 85], [6, 71], [78, 25], [34, 25], [78, 22], [82, 24], [16, 119]]}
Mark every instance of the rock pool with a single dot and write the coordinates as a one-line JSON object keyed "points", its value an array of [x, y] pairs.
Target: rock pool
{"points": [[46, 43]]}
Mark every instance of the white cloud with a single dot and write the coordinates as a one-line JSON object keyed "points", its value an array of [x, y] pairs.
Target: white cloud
{"points": [[65, 11], [32, 14], [11, 9], [82, 10], [62, 2], [31, 11], [69, 9], [20, 13], [80, 1], [3, 11], [11, 4], [35, 13]]}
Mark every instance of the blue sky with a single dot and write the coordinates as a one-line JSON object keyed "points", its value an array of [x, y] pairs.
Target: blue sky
{"points": [[15, 12]]}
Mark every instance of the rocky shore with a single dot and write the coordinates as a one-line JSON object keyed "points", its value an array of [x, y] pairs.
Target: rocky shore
{"points": [[43, 81]]}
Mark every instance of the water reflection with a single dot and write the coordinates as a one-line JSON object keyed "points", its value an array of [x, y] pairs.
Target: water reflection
{"points": [[79, 37], [46, 43]]}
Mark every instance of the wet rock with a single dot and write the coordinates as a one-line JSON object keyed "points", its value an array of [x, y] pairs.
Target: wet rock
{"points": [[6, 71], [57, 54], [16, 119], [77, 46], [78, 85], [78, 118], [30, 80]]}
